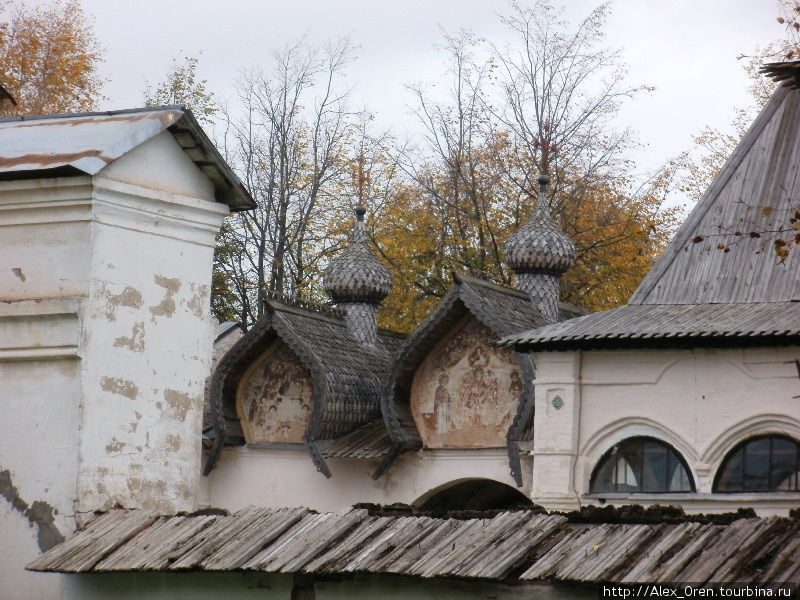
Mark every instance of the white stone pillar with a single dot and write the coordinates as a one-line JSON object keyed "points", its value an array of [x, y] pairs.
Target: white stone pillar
{"points": [[146, 348], [556, 429]]}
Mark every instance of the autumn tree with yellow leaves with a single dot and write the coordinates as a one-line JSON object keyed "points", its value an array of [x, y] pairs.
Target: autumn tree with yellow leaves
{"points": [[449, 199], [508, 114], [48, 58]]}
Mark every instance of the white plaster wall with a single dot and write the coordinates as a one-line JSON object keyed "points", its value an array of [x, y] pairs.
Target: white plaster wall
{"points": [[44, 258], [105, 342], [244, 586], [38, 465], [286, 477], [160, 164], [147, 333], [703, 402], [44, 238]]}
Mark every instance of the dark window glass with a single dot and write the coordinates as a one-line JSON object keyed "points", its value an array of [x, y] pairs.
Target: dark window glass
{"points": [[756, 465], [639, 465], [762, 464], [730, 475], [783, 474], [655, 473]]}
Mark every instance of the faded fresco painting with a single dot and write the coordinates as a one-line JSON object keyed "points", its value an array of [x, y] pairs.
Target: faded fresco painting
{"points": [[274, 398], [466, 392]]}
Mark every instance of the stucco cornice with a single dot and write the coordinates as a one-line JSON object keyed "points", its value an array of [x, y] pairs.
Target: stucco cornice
{"points": [[149, 211], [39, 329]]}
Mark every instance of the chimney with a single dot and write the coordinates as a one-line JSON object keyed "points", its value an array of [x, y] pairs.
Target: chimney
{"points": [[357, 282], [539, 252]]}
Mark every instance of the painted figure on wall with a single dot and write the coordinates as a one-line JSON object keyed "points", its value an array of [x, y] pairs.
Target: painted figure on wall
{"points": [[466, 392], [274, 399], [441, 404]]}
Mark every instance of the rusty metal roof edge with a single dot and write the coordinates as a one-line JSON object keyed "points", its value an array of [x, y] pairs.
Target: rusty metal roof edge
{"points": [[231, 192], [101, 113]]}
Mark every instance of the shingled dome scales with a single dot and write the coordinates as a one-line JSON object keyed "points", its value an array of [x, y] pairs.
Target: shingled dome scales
{"points": [[357, 281], [539, 252]]}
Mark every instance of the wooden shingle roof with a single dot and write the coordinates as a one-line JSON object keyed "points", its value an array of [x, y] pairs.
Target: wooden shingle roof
{"points": [[720, 280], [347, 375], [671, 325], [503, 311], [747, 207], [511, 546]]}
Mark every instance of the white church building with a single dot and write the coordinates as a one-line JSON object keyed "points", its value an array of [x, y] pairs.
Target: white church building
{"points": [[341, 460]]}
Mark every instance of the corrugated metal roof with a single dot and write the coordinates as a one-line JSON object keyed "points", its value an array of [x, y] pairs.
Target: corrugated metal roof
{"points": [[87, 142], [714, 257], [539, 547], [658, 325]]}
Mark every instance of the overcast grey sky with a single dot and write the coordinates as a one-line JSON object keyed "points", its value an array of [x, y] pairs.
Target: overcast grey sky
{"points": [[686, 48]]}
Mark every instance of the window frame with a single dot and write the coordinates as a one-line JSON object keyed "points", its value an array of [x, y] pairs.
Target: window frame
{"points": [[742, 446], [672, 453]]}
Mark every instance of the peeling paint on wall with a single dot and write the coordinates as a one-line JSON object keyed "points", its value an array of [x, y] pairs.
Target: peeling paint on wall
{"points": [[17, 271], [39, 514], [275, 397], [173, 442], [114, 445], [166, 308], [135, 342], [117, 385], [198, 302], [149, 494], [129, 297], [179, 403]]}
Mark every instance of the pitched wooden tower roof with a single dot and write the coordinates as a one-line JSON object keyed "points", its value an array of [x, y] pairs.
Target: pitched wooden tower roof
{"points": [[727, 277], [724, 252]]}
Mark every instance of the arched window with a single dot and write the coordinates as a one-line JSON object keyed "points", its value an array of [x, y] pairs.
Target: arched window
{"points": [[768, 463], [641, 465]]}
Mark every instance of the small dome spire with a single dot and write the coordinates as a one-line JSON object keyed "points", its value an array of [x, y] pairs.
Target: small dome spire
{"points": [[539, 246], [356, 275]]}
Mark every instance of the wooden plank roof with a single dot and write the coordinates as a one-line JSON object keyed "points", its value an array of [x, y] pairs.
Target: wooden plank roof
{"points": [[723, 253], [506, 546], [670, 325]]}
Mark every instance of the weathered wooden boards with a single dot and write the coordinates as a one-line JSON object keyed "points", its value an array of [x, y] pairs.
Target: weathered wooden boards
{"points": [[648, 325], [539, 546]]}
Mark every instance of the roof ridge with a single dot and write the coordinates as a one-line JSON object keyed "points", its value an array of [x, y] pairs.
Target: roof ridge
{"points": [[307, 306], [471, 279], [99, 113]]}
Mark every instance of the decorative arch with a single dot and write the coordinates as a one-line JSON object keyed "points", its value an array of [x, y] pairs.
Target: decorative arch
{"points": [[767, 424], [641, 464], [472, 494], [763, 463], [274, 398], [626, 427], [466, 391]]}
